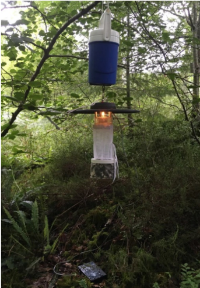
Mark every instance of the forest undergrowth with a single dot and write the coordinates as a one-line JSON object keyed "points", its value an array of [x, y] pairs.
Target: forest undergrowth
{"points": [[142, 230]]}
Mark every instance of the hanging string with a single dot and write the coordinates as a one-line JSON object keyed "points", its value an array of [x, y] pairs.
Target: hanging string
{"points": [[107, 3], [103, 90]]}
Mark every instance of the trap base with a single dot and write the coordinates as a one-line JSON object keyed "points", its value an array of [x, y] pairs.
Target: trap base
{"points": [[102, 169]]}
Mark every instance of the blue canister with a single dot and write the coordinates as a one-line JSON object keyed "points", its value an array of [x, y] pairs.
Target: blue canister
{"points": [[103, 52]]}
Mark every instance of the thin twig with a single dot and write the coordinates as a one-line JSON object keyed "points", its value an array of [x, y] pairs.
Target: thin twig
{"points": [[180, 100], [52, 122]]}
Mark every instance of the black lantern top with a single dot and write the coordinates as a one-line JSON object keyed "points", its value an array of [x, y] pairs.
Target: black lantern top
{"points": [[104, 106]]}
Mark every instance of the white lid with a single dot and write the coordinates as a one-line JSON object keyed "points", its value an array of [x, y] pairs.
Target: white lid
{"points": [[98, 35], [104, 32]]}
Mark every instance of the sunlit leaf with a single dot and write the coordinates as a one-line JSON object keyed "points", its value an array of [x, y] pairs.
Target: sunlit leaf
{"points": [[35, 84], [21, 22], [10, 98], [36, 96]]}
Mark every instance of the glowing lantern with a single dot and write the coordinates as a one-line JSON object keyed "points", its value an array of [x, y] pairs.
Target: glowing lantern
{"points": [[104, 163]]}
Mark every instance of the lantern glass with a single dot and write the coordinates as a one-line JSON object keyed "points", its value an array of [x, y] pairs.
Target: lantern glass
{"points": [[103, 118]]}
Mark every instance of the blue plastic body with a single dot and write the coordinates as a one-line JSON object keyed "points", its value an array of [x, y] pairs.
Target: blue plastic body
{"points": [[103, 62]]}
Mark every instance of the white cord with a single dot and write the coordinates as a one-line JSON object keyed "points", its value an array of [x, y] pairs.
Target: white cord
{"points": [[106, 2], [116, 166]]}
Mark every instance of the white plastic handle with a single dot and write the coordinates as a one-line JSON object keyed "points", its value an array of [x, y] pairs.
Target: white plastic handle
{"points": [[105, 23]]}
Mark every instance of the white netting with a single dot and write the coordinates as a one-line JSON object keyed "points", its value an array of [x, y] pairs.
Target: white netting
{"points": [[103, 142]]}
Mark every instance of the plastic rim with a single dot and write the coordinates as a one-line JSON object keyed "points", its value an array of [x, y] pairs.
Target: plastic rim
{"points": [[104, 106], [97, 35]]}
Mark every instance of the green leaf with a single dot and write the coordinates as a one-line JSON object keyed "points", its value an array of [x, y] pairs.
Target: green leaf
{"points": [[13, 134], [21, 22], [3, 127], [9, 263], [116, 4], [22, 48], [36, 96], [35, 216], [73, 12], [27, 39], [35, 84], [19, 151], [142, 50], [33, 264], [4, 23], [18, 229], [9, 30], [111, 94], [165, 36], [128, 43], [83, 283], [19, 95], [138, 120], [3, 64], [11, 98], [74, 95], [30, 107], [196, 101], [42, 33], [171, 75], [7, 221], [27, 204], [22, 218], [16, 39]]}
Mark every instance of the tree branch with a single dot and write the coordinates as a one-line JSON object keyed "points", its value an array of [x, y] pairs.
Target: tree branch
{"points": [[36, 45], [44, 58], [173, 13], [51, 121], [180, 100], [194, 133], [44, 17], [10, 7], [69, 56], [78, 57]]}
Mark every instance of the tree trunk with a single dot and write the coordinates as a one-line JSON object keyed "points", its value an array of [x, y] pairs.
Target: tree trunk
{"points": [[128, 101], [196, 56]]}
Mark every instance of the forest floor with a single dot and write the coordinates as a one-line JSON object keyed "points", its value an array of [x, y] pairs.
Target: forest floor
{"points": [[142, 230]]}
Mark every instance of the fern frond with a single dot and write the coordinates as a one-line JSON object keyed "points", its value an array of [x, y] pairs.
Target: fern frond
{"points": [[21, 245], [56, 240], [35, 216], [17, 227], [22, 219], [46, 230]]}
